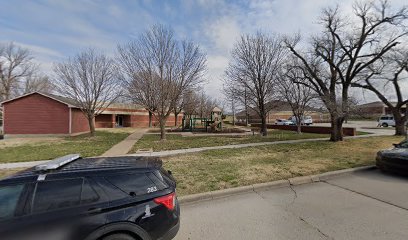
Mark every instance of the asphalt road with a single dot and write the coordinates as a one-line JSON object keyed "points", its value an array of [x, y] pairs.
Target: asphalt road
{"points": [[364, 205]]}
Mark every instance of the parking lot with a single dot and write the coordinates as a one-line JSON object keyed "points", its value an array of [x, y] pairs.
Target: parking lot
{"points": [[363, 205], [364, 126]]}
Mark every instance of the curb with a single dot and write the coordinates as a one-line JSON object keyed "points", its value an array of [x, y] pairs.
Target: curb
{"points": [[15, 165], [206, 196], [329, 175], [232, 191]]}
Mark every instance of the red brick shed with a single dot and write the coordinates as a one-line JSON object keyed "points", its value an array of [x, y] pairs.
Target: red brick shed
{"points": [[42, 113]]}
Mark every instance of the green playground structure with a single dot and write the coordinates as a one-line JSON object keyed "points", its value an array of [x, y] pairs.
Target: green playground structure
{"points": [[191, 123]]}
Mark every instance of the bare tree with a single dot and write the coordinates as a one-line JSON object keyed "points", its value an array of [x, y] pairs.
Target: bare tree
{"points": [[178, 107], [90, 80], [191, 103], [158, 70], [253, 71], [205, 105], [391, 73], [347, 46], [296, 94], [15, 64], [233, 109], [187, 103], [36, 83], [131, 85], [233, 103]]}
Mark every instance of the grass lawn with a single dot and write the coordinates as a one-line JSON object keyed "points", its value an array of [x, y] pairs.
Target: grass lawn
{"points": [[84, 144], [220, 169], [176, 141]]}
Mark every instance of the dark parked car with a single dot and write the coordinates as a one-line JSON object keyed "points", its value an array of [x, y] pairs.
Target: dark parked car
{"points": [[394, 160], [112, 198]]}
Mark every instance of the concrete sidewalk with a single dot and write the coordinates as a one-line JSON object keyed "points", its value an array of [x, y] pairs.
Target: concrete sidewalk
{"points": [[194, 150], [126, 145]]}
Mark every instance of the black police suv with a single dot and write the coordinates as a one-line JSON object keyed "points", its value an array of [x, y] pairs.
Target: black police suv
{"points": [[394, 160], [104, 198]]}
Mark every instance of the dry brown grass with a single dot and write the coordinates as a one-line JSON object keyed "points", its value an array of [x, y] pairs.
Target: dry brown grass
{"points": [[15, 142], [84, 144], [220, 169]]}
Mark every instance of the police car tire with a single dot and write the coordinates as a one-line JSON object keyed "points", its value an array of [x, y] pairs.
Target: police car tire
{"points": [[119, 236]]}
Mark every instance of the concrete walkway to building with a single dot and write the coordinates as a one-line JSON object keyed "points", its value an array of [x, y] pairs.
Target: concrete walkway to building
{"points": [[126, 145]]}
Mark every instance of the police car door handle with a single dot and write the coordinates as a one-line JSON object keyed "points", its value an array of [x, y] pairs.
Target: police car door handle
{"points": [[94, 210]]}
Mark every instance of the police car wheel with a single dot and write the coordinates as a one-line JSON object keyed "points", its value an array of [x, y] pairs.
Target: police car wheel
{"points": [[120, 236]]}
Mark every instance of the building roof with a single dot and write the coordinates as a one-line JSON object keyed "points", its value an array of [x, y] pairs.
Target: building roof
{"points": [[72, 103], [67, 101], [64, 100], [375, 104]]}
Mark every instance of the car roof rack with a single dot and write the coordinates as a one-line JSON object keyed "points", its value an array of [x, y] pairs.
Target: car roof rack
{"points": [[57, 163]]}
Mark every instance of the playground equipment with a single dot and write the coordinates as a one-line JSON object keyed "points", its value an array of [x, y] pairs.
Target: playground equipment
{"points": [[194, 123]]}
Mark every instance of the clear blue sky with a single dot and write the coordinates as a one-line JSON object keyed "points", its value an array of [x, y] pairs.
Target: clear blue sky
{"points": [[54, 29]]}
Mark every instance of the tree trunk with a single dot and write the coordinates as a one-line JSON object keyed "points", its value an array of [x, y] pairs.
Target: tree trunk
{"points": [[400, 129], [175, 119], [336, 128], [247, 119], [91, 125], [150, 119], [298, 118], [162, 122], [264, 129], [299, 128], [7, 93]]}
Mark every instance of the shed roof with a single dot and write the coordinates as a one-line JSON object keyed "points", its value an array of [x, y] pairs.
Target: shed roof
{"points": [[61, 99], [72, 103]]}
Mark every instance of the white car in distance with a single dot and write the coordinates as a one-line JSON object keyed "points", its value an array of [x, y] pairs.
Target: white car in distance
{"points": [[386, 121], [284, 122], [307, 120]]}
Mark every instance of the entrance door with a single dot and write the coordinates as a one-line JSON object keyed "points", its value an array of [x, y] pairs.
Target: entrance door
{"points": [[119, 121]]}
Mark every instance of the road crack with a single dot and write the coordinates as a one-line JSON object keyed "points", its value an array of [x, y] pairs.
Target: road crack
{"points": [[316, 228], [294, 196], [259, 194]]}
